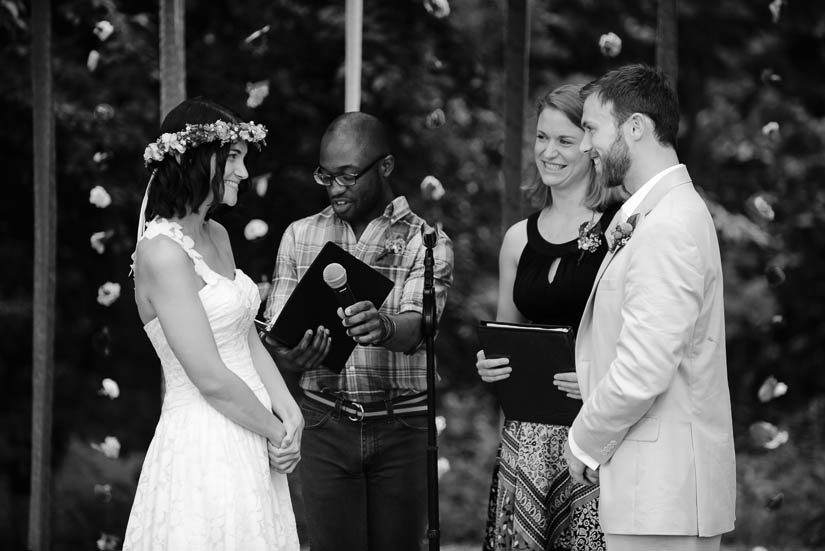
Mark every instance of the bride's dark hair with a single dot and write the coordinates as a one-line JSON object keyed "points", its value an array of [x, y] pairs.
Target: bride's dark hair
{"points": [[182, 184]]}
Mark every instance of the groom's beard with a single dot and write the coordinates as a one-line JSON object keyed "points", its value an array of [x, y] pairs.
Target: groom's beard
{"points": [[616, 163]]}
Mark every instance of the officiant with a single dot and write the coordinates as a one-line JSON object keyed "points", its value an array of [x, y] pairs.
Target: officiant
{"points": [[363, 465]]}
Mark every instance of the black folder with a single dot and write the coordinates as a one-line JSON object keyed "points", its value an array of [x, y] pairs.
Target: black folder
{"points": [[313, 303], [536, 352]]}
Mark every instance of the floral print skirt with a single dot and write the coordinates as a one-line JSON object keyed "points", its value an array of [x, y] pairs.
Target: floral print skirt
{"points": [[534, 505]]}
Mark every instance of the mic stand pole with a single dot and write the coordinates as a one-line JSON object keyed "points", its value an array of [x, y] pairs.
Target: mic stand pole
{"points": [[430, 323]]}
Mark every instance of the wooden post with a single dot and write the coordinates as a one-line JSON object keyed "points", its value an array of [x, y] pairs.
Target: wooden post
{"points": [[667, 39], [516, 55], [352, 60], [45, 255], [172, 55]]}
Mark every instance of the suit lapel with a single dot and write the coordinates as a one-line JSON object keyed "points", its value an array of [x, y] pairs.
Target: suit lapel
{"points": [[674, 179]]}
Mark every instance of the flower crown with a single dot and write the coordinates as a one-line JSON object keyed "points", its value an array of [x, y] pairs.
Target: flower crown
{"points": [[198, 134]]}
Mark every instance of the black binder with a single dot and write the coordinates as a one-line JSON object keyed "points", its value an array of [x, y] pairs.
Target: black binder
{"points": [[313, 303], [536, 353]]}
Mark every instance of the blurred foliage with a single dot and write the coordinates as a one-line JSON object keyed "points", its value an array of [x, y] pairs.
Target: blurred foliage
{"points": [[738, 72]]}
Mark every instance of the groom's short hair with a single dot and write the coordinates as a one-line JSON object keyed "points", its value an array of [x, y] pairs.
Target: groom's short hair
{"points": [[639, 89]]}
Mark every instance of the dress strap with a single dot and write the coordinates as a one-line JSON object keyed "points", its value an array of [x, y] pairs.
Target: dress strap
{"points": [[174, 231]]}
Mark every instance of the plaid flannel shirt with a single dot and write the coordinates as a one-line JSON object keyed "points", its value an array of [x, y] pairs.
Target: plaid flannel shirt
{"points": [[392, 244]]}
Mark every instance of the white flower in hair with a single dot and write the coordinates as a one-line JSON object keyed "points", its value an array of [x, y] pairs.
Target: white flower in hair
{"points": [[198, 134]]}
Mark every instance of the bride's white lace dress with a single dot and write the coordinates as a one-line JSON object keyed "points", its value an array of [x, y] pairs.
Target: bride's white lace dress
{"points": [[206, 483]]}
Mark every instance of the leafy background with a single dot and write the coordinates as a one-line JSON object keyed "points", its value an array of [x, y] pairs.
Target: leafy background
{"points": [[413, 63]]}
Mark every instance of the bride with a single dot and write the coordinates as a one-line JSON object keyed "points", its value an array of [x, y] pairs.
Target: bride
{"points": [[214, 477]]}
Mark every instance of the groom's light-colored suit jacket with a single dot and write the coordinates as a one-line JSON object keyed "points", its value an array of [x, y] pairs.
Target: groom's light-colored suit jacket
{"points": [[650, 358]]}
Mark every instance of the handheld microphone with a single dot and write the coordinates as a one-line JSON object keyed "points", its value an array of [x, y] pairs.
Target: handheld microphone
{"points": [[335, 276]]}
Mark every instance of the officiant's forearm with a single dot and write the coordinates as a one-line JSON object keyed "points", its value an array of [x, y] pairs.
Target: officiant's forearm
{"points": [[408, 332]]}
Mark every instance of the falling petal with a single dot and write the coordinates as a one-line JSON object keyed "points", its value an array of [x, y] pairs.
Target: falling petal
{"points": [[775, 501], [610, 44], [257, 34], [769, 77], [437, 8], [258, 91], [108, 542], [103, 30], [109, 388], [103, 492], [432, 189], [763, 207], [110, 447], [435, 119], [104, 112], [255, 229], [108, 293], [440, 424], [261, 184], [771, 389], [766, 435], [775, 275], [443, 466], [776, 9], [93, 60], [771, 129], [99, 197], [100, 156]]}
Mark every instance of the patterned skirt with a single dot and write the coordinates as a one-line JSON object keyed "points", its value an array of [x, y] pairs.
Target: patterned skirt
{"points": [[534, 505]]}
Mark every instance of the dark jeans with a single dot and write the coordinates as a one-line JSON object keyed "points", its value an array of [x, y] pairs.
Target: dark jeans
{"points": [[364, 483]]}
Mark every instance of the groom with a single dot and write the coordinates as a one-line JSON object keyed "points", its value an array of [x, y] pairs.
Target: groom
{"points": [[655, 429]]}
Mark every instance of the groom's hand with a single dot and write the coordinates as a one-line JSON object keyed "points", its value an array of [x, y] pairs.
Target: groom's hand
{"points": [[577, 468]]}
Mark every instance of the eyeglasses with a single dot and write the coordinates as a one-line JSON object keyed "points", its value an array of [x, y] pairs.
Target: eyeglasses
{"points": [[346, 179]]}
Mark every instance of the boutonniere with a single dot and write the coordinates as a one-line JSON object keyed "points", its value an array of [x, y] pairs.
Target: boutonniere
{"points": [[589, 238], [393, 244], [621, 233]]}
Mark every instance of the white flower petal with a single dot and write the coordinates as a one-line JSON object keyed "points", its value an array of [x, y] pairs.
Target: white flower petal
{"points": [[99, 197], [109, 388], [255, 229], [108, 293]]}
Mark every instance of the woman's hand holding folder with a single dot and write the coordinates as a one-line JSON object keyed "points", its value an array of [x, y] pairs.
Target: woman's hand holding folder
{"points": [[493, 369], [568, 383]]}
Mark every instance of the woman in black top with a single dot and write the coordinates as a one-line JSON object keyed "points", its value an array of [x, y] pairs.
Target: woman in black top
{"points": [[547, 265]]}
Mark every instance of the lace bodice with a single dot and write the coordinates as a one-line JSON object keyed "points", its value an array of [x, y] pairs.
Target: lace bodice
{"points": [[230, 305]]}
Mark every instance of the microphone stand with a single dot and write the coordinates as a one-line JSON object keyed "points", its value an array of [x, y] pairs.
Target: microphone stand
{"points": [[430, 323]]}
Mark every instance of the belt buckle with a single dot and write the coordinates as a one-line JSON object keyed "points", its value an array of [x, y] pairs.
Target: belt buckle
{"points": [[359, 412]]}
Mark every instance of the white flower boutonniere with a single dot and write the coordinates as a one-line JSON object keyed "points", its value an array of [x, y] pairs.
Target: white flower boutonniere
{"points": [[394, 244], [621, 233]]}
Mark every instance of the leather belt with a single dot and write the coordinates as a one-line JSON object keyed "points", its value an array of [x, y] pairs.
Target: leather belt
{"points": [[415, 404]]}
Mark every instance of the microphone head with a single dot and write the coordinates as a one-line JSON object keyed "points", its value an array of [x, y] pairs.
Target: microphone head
{"points": [[335, 275]]}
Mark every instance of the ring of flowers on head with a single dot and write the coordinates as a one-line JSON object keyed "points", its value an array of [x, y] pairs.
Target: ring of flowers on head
{"points": [[193, 135]]}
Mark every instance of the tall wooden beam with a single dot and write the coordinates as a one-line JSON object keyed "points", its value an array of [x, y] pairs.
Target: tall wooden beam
{"points": [[172, 55], [667, 39], [516, 55], [352, 59], [45, 259]]}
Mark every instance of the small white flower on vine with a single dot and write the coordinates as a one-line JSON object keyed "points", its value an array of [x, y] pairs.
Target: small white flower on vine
{"points": [[435, 119], [770, 129], [108, 542], [440, 424], [98, 241], [92, 60], [100, 156], [103, 30], [109, 388], [255, 228], [443, 466], [261, 184], [432, 189], [99, 197], [437, 8], [257, 34], [110, 447], [258, 91], [776, 9], [764, 208], [610, 44], [108, 293]]}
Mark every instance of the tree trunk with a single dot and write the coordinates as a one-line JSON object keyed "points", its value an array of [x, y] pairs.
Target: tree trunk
{"points": [[667, 40], [45, 255], [172, 55], [516, 74]]}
